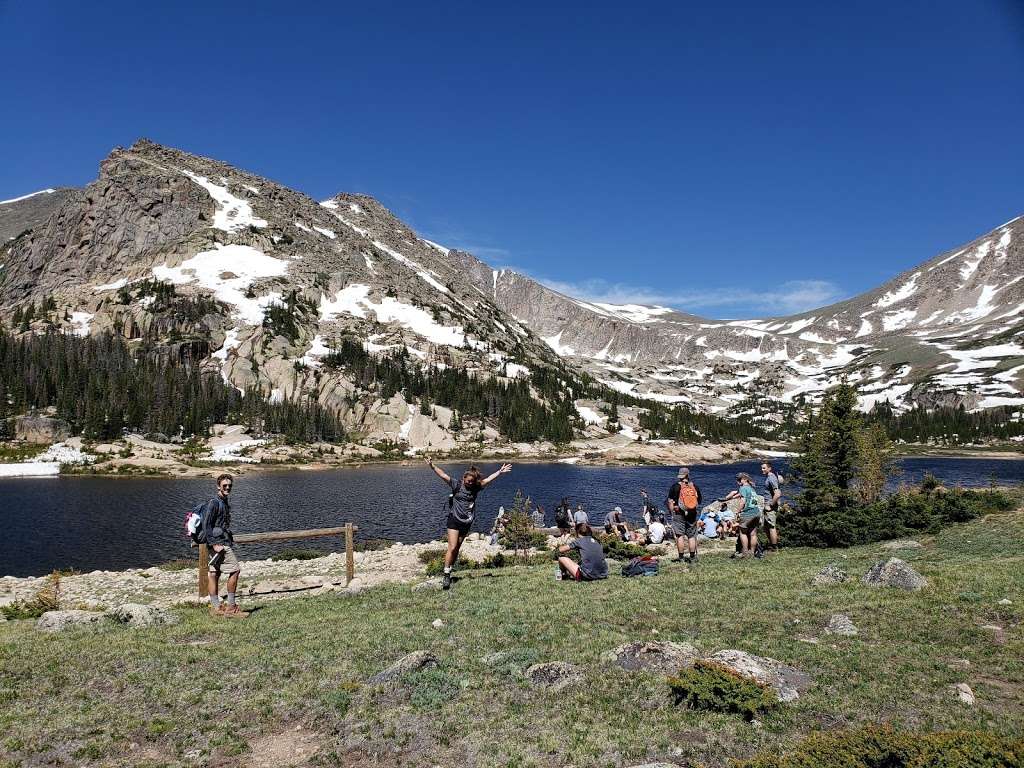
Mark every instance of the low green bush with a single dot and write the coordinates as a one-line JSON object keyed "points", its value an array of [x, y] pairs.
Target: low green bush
{"points": [[617, 549], [436, 566], [429, 555], [297, 553], [712, 686], [179, 564], [46, 599], [908, 512], [886, 747]]}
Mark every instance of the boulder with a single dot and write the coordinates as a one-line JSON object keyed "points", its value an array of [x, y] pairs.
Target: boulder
{"points": [[41, 429], [963, 693], [437, 624], [412, 662], [554, 675], [841, 624], [136, 615], [903, 544], [787, 682], [58, 621], [829, 575], [662, 657], [894, 573]]}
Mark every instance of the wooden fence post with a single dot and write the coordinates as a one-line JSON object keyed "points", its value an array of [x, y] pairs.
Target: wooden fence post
{"points": [[204, 567], [350, 560]]}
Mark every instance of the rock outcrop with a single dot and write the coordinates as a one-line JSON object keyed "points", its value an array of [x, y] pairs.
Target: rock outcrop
{"points": [[894, 573], [554, 676], [662, 657], [787, 682], [412, 662]]}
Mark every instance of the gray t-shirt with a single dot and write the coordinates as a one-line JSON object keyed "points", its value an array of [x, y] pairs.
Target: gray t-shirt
{"points": [[580, 517], [462, 502], [591, 557], [771, 485]]}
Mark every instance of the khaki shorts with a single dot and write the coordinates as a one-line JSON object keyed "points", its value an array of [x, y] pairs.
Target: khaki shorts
{"points": [[224, 561], [768, 517]]}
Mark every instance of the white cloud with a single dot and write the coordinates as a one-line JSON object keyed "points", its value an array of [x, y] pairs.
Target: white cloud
{"points": [[787, 298]]}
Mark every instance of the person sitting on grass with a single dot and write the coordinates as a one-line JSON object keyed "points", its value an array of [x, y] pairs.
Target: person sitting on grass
{"points": [[750, 515], [656, 530], [461, 510], [216, 522], [592, 565]]}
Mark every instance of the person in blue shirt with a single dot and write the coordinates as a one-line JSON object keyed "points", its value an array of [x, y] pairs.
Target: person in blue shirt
{"points": [[750, 515]]}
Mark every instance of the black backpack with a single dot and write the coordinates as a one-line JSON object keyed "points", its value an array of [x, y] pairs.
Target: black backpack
{"points": [[641, 566]]}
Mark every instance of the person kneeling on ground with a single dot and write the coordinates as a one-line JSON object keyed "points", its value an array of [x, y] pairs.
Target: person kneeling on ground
{"points": [[461, 510], [217, 526], [615, 524], [592, 565]]}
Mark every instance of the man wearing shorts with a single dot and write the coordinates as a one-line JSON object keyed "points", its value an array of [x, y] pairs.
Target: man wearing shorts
{"points": [[592, 565], [217, 526], [684, 499], [771, 509]]}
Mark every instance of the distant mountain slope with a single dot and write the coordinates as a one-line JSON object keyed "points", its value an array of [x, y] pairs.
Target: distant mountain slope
{"points": [[263, 284], [28, 211]]}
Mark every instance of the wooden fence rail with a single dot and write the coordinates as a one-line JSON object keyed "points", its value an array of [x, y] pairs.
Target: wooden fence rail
{"points": [[348, 530]]}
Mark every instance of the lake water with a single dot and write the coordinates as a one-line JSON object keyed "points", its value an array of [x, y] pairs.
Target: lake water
{"points": [[91, 523]]}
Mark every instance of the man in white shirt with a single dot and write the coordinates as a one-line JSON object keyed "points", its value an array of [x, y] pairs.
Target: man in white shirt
{"points": [[656, 532]]}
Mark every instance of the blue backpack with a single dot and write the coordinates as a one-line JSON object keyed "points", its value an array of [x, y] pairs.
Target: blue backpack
{"points": [[194, 529], [641, 566]]}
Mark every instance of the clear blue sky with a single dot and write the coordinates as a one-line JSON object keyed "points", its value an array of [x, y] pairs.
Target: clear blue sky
{"points": [[692, 154]]}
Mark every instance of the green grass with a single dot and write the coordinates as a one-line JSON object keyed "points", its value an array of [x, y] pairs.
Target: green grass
{"points": [[207, 690]]}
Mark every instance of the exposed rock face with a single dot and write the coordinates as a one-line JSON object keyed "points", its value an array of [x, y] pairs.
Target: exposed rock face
{"points": [[662, 657], [30, 211], [787, 682], [41, 429], [963, 693], [413, 662], [554, 676], [136, 615], [829, 575], [58, 621], [894, 573]]}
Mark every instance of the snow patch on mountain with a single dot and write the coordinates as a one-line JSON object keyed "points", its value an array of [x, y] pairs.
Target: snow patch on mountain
{"points": [[902, 293], [228, 271], [233, 213], [26, 197]]}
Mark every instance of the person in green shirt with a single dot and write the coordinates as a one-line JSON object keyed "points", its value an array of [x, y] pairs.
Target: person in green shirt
{"points": [[750, 515]]}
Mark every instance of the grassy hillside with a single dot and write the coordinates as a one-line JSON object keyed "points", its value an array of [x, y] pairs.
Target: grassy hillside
{"points": [[291, 677]]}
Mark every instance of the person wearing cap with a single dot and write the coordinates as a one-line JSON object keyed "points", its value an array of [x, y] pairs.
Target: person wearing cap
{"points": [[684, 500], [616, 525]]}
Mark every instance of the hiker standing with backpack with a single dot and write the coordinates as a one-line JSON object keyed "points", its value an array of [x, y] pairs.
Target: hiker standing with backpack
{"points": [[461, 510], [563, 517], [216, 532], [684, 498], [772, 487]]}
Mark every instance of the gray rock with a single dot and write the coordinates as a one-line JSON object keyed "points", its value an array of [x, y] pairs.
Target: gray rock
{"points": [[437, 624], [1006, 601], [663, 657], [964, 693], [893, 572], [829, 575], [427, 586], [410, 663], [41, 429], [787, 682], [136, 615], [841, 624], [554, 675], [903, 544], [58, 621], [494, 659]]}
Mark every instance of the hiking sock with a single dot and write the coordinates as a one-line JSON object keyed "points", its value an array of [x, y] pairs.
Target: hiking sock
{"points": [[215, 601], [231, 598]]}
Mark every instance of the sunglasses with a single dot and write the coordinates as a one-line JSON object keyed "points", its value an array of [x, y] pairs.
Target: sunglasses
{"points": [[225, 487]]}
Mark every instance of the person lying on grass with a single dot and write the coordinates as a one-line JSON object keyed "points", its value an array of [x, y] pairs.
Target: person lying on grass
{"points": [[592, 565], [461, 510]]}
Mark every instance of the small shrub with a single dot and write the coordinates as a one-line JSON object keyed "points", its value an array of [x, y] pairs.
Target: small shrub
{"points": [[712, 686], [341, 698], [435, 567], [46, 599], [429, 555], [885, 746], [297, 553], [179, 564], [617, 549], [430, 688], [372, 545]]}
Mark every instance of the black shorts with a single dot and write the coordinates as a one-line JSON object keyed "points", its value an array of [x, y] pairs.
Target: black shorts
{"points": [[455, 524]]}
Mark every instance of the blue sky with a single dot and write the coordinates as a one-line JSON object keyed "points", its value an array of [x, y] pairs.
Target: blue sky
{"points": [[733, 160]]}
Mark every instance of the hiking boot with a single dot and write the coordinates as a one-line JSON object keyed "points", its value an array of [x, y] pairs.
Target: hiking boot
{"points": [[735, 556], [218, 611], [759, 554], [446, 581], [234, 612]]}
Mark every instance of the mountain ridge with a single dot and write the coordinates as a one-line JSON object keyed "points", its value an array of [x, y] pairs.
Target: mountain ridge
{"points": [[347, 267]]}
